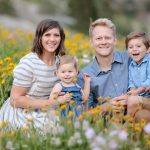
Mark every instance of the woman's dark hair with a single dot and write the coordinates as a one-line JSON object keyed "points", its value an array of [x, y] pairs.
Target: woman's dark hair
{"points": [[43, 27]]}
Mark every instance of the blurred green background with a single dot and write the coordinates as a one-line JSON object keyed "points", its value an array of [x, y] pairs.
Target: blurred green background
{"points": [[128, 15]]}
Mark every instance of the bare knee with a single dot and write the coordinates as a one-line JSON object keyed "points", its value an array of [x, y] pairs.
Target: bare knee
{"points": [[142, 115]]}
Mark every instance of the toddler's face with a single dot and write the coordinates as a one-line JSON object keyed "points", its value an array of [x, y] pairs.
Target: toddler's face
{"points": [[137, 50], [67, 73]]}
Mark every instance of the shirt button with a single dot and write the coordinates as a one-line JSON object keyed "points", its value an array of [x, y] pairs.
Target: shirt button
{"points": [[116, 84]]}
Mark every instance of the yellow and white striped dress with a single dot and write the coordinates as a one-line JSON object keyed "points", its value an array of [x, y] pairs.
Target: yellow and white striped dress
{"points": [[31, 72]]}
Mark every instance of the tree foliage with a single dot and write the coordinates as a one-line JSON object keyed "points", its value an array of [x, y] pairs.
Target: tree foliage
{"points": [[6, 7]]}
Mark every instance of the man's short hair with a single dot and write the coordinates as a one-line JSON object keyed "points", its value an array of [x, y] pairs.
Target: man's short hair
{"points": [[102, 22]]}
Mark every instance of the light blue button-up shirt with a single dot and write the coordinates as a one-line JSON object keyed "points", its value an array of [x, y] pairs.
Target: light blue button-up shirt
{"points": [[139, 74], [111, 83]]}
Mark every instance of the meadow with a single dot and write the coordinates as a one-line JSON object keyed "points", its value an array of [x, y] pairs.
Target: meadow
{"points": [[88, 131]]}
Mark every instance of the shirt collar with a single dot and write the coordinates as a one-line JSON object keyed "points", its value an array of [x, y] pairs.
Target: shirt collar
{"points": [[145, 59], [97, 68]]}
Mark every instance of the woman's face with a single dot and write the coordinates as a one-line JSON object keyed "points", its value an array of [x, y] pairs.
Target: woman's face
{"points": [[51, 40]]}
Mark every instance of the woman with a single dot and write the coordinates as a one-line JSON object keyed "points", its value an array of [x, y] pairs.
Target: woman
{"points": [[34, 78]]}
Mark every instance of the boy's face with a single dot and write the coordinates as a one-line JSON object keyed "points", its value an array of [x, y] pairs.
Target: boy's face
{"points": [[137, 50], [103, 41], [67, 73]]}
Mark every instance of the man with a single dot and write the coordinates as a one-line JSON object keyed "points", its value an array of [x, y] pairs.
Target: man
{"points": [[109, 69]]}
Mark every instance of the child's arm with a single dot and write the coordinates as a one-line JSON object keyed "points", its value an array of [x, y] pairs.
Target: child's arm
{"points": [[146, 83], [86, 88], [55, 94]]}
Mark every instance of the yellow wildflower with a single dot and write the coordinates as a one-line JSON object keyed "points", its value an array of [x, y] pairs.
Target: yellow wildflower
{"points": [[2, 124], [55, 95], [1, 63], [25, 128], [70, 114], [1, 135], [29, 119], [11, 134], [148, 142], [7, 59], [80, 118], [63, 106], [72, 103], [3, 81], [79, 107], [68, 122], [100, 99]]}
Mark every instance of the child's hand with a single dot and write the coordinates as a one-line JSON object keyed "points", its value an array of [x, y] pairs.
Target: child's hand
{"points": [[67, 96], [132, 92], [86, 77], [137, 91]]}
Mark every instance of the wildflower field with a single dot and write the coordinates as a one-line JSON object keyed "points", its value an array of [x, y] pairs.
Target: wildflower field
{"points": [[89, 131]]}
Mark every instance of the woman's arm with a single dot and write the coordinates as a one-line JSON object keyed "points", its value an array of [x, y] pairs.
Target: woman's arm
{"points": [[20, 100]]}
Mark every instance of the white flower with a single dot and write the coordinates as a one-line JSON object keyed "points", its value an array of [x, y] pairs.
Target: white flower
{"points": [[79, 141], [96, 148], [113, 144], [56, 141], [55, 131], [25, 146], [90, 133], [123, 135], [147, 128], [77, 125], [61, 129], [113, 133], [77, 135], [9, 145], [71, 142], [85, 124], [100, 140]]}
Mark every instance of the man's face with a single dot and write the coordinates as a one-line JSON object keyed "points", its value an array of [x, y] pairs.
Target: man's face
{"points": [[103, 41]]}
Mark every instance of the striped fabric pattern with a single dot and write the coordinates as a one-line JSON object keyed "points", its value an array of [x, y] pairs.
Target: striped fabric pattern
{"points": [[31, 72]]}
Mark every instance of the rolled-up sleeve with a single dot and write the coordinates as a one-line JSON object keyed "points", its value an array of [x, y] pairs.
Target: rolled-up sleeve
{"points": [[23, 74]]}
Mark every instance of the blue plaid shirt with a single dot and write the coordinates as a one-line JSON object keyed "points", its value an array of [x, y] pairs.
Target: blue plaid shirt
{"points": [[111, 83], [139, 74]]}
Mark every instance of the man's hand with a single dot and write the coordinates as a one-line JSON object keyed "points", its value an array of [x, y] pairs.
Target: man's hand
{"points": [[119, 103]]}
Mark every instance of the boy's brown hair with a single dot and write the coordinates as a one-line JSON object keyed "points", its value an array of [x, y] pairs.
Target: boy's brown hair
{"points": [[135, 35], [67, 59]]}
